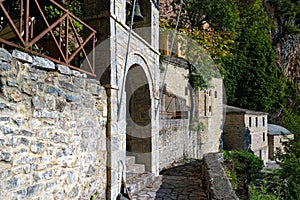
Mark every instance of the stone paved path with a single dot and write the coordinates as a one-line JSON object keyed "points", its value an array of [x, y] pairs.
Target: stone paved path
{"points": [[183, 182]]}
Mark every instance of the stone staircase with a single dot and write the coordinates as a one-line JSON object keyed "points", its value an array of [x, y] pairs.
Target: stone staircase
{"points": [[136, 176]]}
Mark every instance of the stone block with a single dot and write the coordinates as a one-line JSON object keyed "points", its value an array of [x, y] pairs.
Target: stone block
{"points": [[5, 55], [12, 83], [27, 133], [43, 63], [91, 171], [74, 192], [5, 119], [37, 147], [79, 82], [71, 178], [34, 77], [67, 86], [24, 57], [38, 102], [59, 138], [50, 185], [23, 160], [20, 122], [5, 66], [53, 90], [34, 190], [44, 175], [49, 114], [21, 194], [13, 183], [76, 73], [72, 97], [4, 173], [1, 142], [64, 69], [24, 141], [7, 130]]}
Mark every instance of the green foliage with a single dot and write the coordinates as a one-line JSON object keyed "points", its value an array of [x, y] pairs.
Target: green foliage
{"points": [[287, 13], [251, 79], [243, 166], [197, 126], [52, 12], [256, 194], [238, 40], [222, 15], [231, 175], [290, 158]]}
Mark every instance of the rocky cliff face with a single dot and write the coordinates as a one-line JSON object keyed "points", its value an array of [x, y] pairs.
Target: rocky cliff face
{"points": [[288, 57]]}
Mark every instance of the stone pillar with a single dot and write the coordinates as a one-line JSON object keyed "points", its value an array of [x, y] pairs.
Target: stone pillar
{"points": [[108, 18]]}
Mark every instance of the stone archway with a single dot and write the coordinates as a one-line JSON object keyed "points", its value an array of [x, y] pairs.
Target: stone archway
{"points": [[138, 116]]}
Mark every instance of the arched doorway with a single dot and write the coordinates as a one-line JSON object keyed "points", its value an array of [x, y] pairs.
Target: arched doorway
{"points": [[138, 116]]}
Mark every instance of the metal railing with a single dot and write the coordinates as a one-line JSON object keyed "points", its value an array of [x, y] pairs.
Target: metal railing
{"points": [[47, 29]]}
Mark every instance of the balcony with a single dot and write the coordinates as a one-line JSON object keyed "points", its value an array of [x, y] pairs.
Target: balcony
{"points": [[47, 29]]}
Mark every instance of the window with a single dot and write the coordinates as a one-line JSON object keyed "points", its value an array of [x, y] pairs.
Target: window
{"points": [[216, 94], [264, 136], [250, 123], [256, 121], [263, 121], [260, 154]]}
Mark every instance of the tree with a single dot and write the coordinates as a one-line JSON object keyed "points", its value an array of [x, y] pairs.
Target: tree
{"points": [[290, 164], [244, 166], [252, 81]]}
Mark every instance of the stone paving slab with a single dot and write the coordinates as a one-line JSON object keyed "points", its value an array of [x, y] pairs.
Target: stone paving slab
{"points": [[182, 182]]}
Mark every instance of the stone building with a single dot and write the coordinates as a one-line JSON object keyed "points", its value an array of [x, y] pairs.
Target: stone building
{"points": [[246, 130], [190, 120], [64, 135], [276, 136], [131, 89]]}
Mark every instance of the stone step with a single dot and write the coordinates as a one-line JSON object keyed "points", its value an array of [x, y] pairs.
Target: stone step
{"points": [[139, 182], [134, 169], [130, 160]]}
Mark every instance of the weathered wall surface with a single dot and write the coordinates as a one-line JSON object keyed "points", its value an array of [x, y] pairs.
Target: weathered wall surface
{"points": [[233, 134], [177, 142], [213, 119], [275, 142], [52, 131], [217, 184], [258, 131]]}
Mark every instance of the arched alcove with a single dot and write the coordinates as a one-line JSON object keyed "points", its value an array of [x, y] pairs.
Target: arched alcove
{"points": [[138, 116]]}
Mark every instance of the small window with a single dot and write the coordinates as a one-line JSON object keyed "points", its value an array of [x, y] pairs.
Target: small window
{"points": [[260, 154], [186, 91], [264, 136], [216, 94], [250, 123], [256, 121], [209, 108], [263, 121], [209, 93]]}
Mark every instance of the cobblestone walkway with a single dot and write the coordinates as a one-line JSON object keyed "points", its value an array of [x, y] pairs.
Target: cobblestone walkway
{"points": [[183, 182]]}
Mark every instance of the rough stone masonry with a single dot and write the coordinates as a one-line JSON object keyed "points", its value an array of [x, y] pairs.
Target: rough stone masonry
{"points": [[52, 131]]}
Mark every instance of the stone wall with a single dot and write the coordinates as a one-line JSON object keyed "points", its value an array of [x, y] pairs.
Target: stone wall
{"points": [[275, 142], [52, 131], [233, 134], [217, 184], [176, 142]]}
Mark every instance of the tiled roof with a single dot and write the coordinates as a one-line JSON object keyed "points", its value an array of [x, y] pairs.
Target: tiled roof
{"points": [[274, 129], [232, 109]]}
